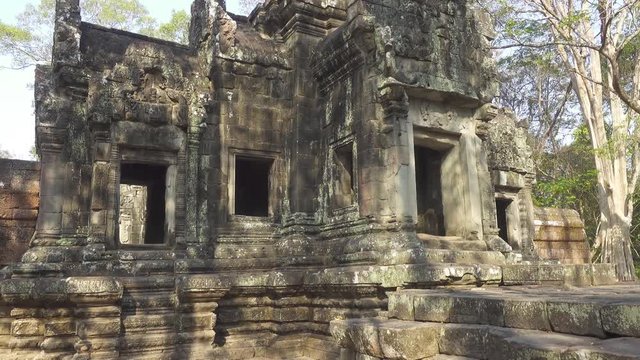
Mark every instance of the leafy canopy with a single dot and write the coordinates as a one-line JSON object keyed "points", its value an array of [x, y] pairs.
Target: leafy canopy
{"points": [[28, 41]]}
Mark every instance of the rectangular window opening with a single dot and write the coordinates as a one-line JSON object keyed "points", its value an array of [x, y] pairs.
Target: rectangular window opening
{"points": [[343, 179], [429, 191], [252, 186], [142, 204]]}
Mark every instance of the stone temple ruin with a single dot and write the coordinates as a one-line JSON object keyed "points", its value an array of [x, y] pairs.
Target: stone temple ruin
{"points": [[319, 180]]}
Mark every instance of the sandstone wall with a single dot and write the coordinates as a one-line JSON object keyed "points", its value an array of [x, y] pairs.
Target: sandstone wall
{"points": [[19, 201], [559, 235]]}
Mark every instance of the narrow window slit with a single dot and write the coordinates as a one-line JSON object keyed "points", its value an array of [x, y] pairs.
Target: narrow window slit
{"points": [[343, 178]]}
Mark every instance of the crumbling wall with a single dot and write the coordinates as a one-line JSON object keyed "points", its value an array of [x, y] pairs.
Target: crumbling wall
{"points": [[19, 201], [560, 235]]}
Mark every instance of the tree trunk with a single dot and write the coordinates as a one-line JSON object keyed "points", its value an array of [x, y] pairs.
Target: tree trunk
{"points": [[615, 237]]}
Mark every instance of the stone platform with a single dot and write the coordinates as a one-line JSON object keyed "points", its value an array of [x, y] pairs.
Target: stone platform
{"points": [[523, 322], [172, 313]]}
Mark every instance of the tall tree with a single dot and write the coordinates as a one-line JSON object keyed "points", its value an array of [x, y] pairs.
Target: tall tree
{"points": [[594, 41], [177, 29], [28, 41], [542, 95]]}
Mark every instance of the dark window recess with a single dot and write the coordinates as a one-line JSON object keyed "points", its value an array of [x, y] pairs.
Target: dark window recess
{"points": [[429, 191], [252, 186], [502, 205], [343, 180], [153, 178]]}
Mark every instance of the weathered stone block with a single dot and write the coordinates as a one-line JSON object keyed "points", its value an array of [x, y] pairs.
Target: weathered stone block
{"points": [[621, 319], [103, 327], [464, 340], [401, 305], [59, 343], [27, 327], [391, 339], [526, 314], [409, 340], [574, 317], [59, 327]]}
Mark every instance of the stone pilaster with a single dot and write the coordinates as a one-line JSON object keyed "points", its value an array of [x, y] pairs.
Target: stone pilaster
{"points": [[396, 146], [196, 315]]}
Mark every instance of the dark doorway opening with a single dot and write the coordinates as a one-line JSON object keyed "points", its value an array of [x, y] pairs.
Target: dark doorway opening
{"points": [[502, 206], [252, 186], [429, 191], [143, 180]]}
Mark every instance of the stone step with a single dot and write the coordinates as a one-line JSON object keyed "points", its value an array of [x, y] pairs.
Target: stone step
{"points": [[451, 243], [598, 312], [410, 340], [284, 358], [382, 338], [447, 256], [558, 274], [496, 343], [417, 275], [464, 257]]}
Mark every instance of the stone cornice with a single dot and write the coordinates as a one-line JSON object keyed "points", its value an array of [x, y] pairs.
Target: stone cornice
{"points": [[77, 290], [284, 17], [342, 52]]}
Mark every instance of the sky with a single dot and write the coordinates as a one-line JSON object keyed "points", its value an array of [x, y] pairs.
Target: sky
{"points": [[17, 123]]}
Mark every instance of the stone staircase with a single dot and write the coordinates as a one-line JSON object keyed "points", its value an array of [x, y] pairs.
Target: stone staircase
{"points": [[453, 249], [496, 323]]}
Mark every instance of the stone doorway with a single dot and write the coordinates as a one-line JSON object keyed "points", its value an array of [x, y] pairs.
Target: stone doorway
{"points": [[428, 165], [142, 217], [508, 218], [501, 209]]}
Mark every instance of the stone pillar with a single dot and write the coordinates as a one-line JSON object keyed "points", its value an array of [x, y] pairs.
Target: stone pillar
{"points": [[96, 311], [191, 186], [52, 177], [66, 39], [470, 148], [5, 324], [397, 144], [100, 189], [198, 300], [59, 123]]}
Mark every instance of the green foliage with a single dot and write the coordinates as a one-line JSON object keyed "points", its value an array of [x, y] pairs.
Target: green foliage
{"points": [[567, 178], [33, 153], [177, 29], [5, 154], [28, 41], [124, 14]]}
